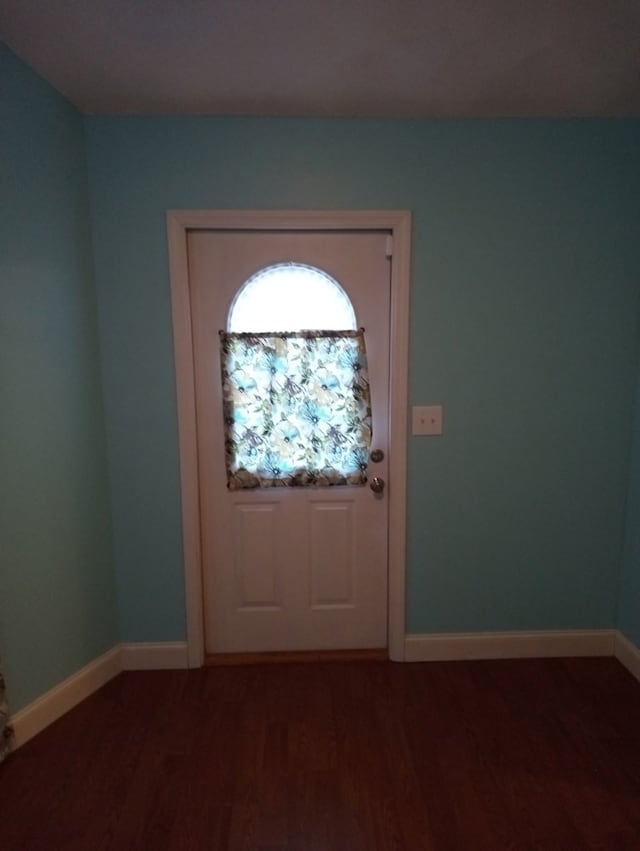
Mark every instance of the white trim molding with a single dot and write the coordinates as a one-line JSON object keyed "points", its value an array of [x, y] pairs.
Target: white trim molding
{"points": [[143, 656], [398, 223], [61, 698], [154, 656], [628, 654], [436, 647], [439, 647]]}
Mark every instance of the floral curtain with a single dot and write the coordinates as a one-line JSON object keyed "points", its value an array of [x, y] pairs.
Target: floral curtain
{"points": [[6, 731], [297, 408]]}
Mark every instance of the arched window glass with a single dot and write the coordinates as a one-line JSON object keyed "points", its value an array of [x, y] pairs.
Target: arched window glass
{"points": [[291, 297]]}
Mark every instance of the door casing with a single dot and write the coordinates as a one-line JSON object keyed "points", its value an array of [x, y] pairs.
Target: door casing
{"points": [[398, 222]]}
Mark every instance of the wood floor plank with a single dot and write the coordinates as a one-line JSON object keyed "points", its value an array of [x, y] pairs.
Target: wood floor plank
{"points": [[527, 755]]}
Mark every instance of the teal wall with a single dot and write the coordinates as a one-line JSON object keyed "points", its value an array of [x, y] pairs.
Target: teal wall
{"points": [[57, 594], [526, 262], [629, 606]]}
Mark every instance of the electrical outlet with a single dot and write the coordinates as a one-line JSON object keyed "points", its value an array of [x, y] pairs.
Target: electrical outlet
{"points": [[427, 419]]}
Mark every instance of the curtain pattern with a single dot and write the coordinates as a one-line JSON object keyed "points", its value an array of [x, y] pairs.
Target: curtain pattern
{"points": [[296, 408], [6, 730]]}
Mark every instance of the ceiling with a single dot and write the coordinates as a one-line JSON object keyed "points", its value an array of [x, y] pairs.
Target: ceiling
{"points": [[387, 58]]}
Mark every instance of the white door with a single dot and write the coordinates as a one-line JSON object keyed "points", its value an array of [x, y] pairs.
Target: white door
{"points": [[290, 568]]}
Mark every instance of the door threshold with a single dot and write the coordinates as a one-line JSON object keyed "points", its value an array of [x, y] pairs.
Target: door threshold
{"points": [[288, 657]]}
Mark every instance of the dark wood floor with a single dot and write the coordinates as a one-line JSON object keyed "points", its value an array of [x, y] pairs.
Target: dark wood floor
{"points": [[462, 756]]}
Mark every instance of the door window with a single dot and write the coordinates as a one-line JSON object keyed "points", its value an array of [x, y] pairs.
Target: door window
{"points": [[296, 400], [291, 297]]}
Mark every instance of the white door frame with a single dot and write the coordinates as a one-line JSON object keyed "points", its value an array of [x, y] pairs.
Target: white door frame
{"points": [[398, 222]]}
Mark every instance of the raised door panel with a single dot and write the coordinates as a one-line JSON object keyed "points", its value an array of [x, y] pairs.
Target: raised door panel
{"points": [[256, 557], [331, 554]]}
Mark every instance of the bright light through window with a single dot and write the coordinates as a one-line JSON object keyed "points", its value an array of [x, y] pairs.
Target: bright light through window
{"points": [[291, 297]]}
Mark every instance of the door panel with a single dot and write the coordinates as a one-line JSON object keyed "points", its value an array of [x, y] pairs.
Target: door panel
{"points": [[290, 568], [257, 530], [331, 554]]}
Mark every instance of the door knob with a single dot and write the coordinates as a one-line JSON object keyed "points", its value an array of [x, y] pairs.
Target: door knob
{"points": [[377, 455], [377, 484]]}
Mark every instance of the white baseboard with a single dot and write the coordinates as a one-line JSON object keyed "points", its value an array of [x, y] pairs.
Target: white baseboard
{"points": [[47, 708], [628, 654], [439, 647], [154, 656], [61, 698], [436, 647]]}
